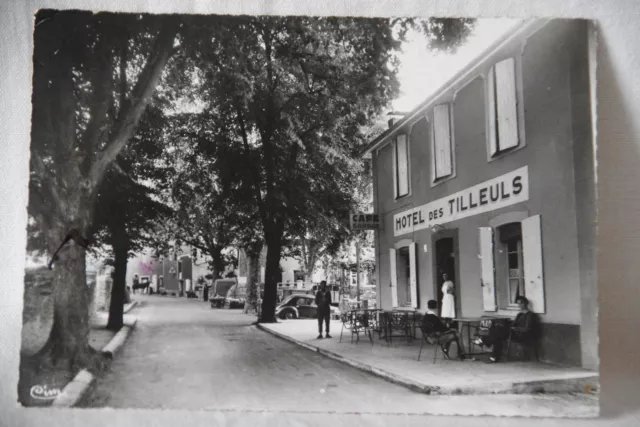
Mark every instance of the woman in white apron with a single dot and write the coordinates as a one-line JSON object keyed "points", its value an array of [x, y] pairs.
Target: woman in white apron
{"points": [[448, 299]]}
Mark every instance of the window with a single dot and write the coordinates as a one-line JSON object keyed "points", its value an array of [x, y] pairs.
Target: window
{"points": [[503, 107], [403, 272], [401, 166], [442, 142], [511, 237], [513, 266]]}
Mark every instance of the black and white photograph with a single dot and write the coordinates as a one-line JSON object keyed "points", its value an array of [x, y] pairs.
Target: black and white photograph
{"points": [[312, 213], [334, 213]]}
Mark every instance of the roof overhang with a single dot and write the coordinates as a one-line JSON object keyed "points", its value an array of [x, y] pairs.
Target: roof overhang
{"points": [[469, 72]]}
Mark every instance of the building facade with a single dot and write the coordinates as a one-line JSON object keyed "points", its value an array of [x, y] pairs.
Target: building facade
{"points": [[492, 181]]}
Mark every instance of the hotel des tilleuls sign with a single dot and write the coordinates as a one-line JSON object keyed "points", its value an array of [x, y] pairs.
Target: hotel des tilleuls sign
{"points": [[505, 190], [364, 221]]}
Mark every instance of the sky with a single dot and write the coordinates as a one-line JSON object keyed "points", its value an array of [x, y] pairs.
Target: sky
{"points": [[423, 71]]}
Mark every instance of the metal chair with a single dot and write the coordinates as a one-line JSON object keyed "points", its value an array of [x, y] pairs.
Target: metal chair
{"points": [[429, 333], [397, 321], [345, 318], [357, 322]]}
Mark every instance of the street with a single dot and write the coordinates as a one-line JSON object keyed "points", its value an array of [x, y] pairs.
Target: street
{"points": [[184, 355]]}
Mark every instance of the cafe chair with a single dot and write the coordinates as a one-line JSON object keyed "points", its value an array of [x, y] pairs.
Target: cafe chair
{"points": [[529, 344], [431, 336], [345, 318], [357, 323]]}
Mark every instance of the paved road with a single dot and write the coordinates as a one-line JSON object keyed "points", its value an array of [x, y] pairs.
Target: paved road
{"points": [[184, 355]]}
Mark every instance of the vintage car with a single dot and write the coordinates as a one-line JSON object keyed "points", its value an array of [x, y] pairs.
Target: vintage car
{"points": [[235, 296], [219, 291], [300, 306]]}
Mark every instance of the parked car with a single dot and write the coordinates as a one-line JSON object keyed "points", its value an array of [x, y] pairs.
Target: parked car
{"points": [[300, 306], [235, 296], [219, 291]]}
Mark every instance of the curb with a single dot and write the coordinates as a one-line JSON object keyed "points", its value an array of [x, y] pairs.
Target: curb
{"points": [[128, 309], [119, 339], [421, 388], [545, 386], [75, 390]]}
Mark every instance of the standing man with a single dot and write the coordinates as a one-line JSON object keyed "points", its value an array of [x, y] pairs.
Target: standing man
{"points": [[136, 283], [323, 301]]}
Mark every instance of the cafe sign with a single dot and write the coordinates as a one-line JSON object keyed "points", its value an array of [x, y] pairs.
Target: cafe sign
{"points": [[500, 192], [364, 221]]}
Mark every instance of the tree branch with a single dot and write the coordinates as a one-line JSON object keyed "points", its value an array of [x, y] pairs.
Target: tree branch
{"points": [[130, 114], [123, 72], [101, 81], [254, 171]]}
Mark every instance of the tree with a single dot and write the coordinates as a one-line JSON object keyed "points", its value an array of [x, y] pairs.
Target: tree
{"points": [[128, 210], [93, 77], [296, 92], [200, 161]]}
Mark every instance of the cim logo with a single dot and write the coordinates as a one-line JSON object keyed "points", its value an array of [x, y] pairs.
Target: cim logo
{"points": [[42, 392]]}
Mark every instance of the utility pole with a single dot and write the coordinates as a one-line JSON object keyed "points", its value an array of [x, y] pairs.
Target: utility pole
{"points": [[358, 270]]}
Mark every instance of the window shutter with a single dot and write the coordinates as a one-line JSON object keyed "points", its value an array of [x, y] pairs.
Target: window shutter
{"points": [[491, 107], [442, 140], [507, 104], [413, 280], [533, 271], [393, 277], [403, 170], [487, 269], [395, 170]]}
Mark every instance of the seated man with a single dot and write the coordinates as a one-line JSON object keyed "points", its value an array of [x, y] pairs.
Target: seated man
{"points": [[432, 323], [524, 329]]}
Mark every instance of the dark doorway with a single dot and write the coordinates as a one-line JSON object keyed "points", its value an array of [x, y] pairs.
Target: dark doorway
{"points": [[445, 264], [403, 273]]}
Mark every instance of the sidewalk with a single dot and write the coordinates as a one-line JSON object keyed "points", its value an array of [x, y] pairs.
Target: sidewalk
{"points": [[398, 363], [50, 378], [99, 335]]}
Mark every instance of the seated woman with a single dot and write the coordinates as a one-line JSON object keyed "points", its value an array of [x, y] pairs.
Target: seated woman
{"points": [[524, 329], [432, 323]]}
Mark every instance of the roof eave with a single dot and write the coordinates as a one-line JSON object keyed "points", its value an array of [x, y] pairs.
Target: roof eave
{"points": [[529, 27]]}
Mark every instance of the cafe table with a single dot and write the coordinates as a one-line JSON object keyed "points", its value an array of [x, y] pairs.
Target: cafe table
{"points": [[469, 323], [399, 320]]}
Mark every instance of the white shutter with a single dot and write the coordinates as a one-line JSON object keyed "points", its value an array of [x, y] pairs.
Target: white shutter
{"points": [[393, 277], [395, 171], [507, 104], [533, 272], [487, 269], [442, 140], [403, 169], [412, 275], [491, 107]]}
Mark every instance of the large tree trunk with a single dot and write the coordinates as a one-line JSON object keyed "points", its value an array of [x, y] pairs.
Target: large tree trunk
{"points": [[272, 274], [253, 254], [69, 339], [217, 261], [116, 306]]}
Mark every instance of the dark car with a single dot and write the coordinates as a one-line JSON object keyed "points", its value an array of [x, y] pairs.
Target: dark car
{"points": [[219, 292], [299, 306]]}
